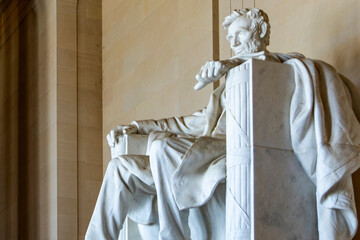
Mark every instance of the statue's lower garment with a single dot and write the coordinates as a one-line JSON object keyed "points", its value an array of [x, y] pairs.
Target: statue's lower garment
{"points": [[130, 179]]}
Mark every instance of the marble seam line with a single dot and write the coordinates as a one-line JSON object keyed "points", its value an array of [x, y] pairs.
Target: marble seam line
{"points": [[272, 148]]}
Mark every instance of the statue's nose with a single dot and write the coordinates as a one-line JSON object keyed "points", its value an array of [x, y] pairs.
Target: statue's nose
{"points": [[235, 42]]}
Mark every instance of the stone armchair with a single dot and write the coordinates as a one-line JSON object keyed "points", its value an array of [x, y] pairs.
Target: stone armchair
{"points": [[268, 195]]}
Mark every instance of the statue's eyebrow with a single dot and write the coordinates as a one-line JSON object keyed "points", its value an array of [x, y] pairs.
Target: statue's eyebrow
{"points": [[228, 37], [240, 28]]}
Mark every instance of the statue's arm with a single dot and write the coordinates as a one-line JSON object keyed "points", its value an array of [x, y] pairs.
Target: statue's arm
{"points": [[192, 125], [212, 71]]}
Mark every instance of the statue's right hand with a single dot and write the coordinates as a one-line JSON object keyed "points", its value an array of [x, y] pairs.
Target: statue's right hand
{"points": [[210, 72], [112, 137]]}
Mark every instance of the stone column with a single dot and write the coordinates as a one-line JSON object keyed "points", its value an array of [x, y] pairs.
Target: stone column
{"points": [[268, 195]]}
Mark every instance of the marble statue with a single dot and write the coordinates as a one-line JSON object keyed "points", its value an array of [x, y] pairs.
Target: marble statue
{"points": [[186, 155]]}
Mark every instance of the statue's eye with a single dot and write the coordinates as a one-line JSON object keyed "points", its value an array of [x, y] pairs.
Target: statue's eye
{"points": [[229, 38]]}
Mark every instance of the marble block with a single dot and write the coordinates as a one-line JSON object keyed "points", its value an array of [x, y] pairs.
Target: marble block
{"points": [[130, 144], [268, 193], [284, 197]]}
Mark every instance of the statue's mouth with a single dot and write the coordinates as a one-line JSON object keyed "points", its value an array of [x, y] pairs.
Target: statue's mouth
{"points": [[240, 49]]}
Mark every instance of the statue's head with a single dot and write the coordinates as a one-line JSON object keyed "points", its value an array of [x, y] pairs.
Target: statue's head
{"points": [[248, 30]]}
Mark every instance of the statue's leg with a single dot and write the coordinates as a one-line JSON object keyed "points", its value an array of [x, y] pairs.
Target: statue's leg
{"points": [[208, 221], [116, 193], [165, 157]]}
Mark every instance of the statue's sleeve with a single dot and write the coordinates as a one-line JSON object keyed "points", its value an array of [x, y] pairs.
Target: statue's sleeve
{"points": [[200, 123], [192, 125]]}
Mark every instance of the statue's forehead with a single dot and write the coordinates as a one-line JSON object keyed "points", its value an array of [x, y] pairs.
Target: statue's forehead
{"points": [[241, 22]]}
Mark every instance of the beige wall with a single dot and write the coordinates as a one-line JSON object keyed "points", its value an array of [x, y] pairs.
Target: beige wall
{"points": [[151, 52], [326, 29], [89, 93], [67, 119], [50, 117], [153, 49], [79, 111]]}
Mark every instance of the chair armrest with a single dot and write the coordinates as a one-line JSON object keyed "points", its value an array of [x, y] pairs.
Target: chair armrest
{"points": [[130, 144]]}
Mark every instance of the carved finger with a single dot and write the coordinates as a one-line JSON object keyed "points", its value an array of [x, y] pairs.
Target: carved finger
{"points": [[110, 141], [201, 70], [129, 130], [199, 85], [198, 78], [210, 73], [217, 68], [126, 130], [113, 136], [204, 73]]}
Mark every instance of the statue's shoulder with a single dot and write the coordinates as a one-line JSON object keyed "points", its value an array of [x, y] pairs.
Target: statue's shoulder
{"points": [[282, 57]]}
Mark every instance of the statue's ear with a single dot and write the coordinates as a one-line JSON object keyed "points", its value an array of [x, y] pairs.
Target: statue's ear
{"points": [[263, 30]]}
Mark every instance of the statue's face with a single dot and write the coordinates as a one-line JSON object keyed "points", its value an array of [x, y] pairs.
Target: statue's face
{"points": [[242, 39]]}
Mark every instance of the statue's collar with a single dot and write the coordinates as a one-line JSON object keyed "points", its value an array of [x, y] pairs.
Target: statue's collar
{"points": [[258, 55]]}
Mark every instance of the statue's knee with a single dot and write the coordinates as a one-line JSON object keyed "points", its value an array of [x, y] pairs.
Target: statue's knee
{"points": [[114, 165], [157, 147]]}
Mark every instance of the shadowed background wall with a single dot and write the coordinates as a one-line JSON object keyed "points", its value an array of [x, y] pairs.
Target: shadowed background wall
{"points": [[50, 117], [28, 120]]}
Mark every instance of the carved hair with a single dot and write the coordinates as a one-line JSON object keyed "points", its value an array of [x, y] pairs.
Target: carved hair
{"points": [[257, 16]]}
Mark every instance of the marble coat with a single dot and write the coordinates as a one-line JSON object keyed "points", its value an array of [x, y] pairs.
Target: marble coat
{"points": [[325, 132], [208, 125]]}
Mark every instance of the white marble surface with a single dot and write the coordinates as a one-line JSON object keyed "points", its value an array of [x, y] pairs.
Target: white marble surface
{"points": [[272, 89], [269, 195], [284, 197], [129, 144]]}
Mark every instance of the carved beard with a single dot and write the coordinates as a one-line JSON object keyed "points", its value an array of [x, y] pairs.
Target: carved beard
{"points": [[251, 47], [254, 46]]}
